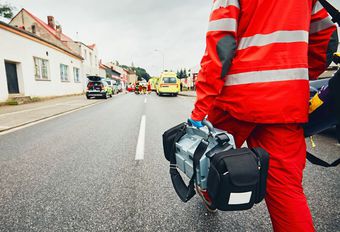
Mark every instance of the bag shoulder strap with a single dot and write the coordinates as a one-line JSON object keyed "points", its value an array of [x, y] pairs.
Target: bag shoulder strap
{"points": [[332, 11], [186, 192], [317, 161]]}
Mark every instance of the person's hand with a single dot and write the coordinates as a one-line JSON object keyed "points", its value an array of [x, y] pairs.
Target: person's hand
{"points": [[194, 123]]}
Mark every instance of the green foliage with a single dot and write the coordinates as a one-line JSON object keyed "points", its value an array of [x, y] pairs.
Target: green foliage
{"points": [[6, 10], [140, 72], [12, 102], [125, 67], [182, 74]]}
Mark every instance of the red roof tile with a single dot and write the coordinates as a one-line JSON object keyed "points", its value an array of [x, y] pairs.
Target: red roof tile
{"points": [[63, 37], [92, 46]]}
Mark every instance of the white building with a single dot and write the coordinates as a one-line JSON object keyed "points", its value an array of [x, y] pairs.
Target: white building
{"points": [[32, 66], [52, 32], [120, 74], [89, 53], [189, 82]]}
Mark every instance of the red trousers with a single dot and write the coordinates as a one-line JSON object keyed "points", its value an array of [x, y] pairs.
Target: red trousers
{"points": [[285, 199]]}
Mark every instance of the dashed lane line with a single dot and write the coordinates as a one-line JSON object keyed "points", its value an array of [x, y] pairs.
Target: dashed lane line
{"points": [[141, 140]]}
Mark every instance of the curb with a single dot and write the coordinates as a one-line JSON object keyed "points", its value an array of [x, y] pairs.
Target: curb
{"points": [[186, 95], [31, 123]]}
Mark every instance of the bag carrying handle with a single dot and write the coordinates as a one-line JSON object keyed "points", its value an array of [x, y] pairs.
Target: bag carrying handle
{"points": [[208, 124]]}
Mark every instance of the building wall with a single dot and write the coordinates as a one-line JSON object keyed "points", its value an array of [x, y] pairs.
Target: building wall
{"points": [[20, 50], [132, 78], [90, 64], [102, 72]]}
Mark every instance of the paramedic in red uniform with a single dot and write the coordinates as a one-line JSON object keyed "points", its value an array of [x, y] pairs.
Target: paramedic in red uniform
{"points": [[253, 83]]}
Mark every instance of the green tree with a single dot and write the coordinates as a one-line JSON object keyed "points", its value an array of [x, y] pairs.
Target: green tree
{"points": [[185, 75], [6, 10], [182, 74], [125, 67], [140, 72]]}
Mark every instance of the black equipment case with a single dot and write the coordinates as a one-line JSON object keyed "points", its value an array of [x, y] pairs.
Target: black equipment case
{"points": [[236, 178]]}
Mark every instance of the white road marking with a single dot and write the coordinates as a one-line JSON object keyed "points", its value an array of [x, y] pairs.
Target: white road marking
{"points": [[145, 100], [141, 140]]}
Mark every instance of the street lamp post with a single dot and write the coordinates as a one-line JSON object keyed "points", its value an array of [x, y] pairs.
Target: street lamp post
{"points": [[162, 53]]}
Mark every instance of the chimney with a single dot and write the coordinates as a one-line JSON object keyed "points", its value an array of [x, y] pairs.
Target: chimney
{"points": [[51, 22], [59, 31]]}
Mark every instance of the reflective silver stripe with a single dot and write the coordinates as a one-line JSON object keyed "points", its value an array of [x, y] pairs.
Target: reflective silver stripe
{"points": [[225, 3], [228, 24], [276, 37], [317, 7], [321, 25], [267, 76]]}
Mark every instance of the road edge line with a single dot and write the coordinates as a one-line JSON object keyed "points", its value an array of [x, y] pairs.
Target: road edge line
{"points": [[44, 119]]}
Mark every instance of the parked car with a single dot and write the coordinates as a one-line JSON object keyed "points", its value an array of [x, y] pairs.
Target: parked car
{"points": [[168, 84], [113, 85], [130, 88], [98, 87], [120, 87]]}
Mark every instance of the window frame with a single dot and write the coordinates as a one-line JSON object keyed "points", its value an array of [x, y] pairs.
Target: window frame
{"points": [[62, 74], [76, 78], [38, 63]]}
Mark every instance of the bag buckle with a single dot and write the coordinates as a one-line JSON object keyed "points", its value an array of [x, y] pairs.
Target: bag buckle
{"points": [[173, 166], [222, 139]]}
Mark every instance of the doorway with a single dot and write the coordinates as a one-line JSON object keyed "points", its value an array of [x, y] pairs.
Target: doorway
{"points": [[12, 78]]}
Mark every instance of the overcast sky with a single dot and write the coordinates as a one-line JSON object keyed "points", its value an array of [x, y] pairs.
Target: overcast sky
{"points": [[130, 31]]}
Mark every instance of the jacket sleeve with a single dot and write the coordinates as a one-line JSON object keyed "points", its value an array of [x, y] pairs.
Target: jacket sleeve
{"points": [[220, 50], [323, 41]]}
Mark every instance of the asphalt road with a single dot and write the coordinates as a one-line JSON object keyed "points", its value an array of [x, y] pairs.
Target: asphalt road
{"points": [[78, 173]]}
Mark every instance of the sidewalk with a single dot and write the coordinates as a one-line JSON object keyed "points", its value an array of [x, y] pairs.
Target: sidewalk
{"points": [[187, 93], [19, 115]]}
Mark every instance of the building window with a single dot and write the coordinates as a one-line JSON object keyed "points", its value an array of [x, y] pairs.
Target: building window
{"points": [[41, 69], [63, 72], [85, 54], [76, 75], [34, 29]]}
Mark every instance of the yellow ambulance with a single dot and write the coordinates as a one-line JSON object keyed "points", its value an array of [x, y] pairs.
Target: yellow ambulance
{"points": [[168, 84]]}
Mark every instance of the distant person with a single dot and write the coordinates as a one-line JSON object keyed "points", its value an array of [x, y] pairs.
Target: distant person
{"points": [[253, 83], [149, 87]]}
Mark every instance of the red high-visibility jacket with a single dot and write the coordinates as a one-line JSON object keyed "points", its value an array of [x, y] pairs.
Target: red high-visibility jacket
{"points": [[259, 57]]}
